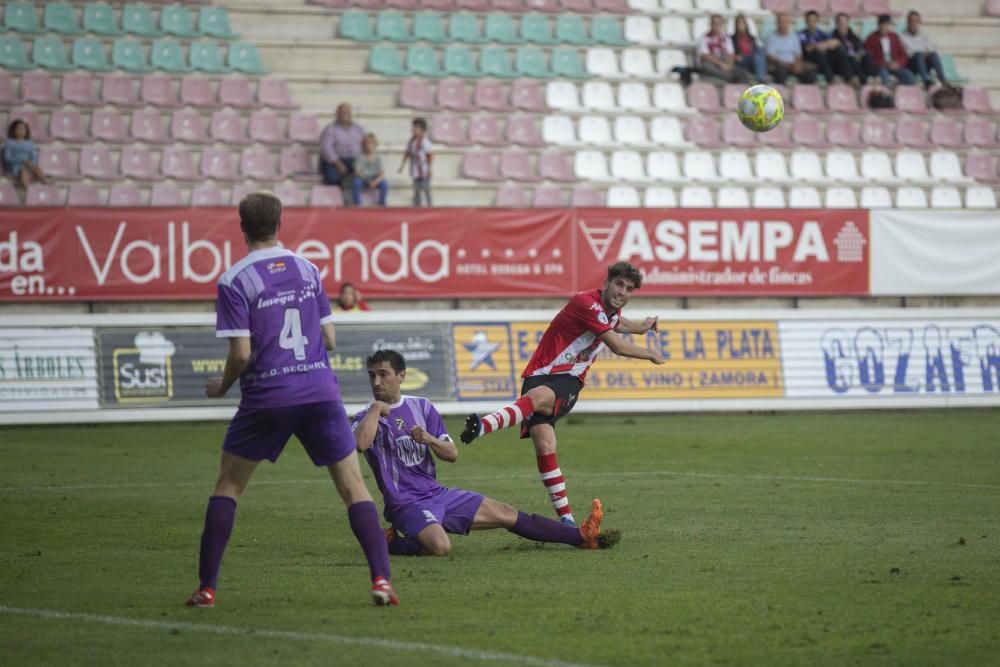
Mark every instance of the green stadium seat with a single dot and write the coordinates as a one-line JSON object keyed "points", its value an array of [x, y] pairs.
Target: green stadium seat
{"points": [[177, 20], [139, 20], [206, 57], [168, 55], [607, 30], [60, 17], [392, 26], [535, 29], [495, 61], [463, 27], [386, 59], [950, 70], [13, 54], [429, 27], [21, 17], [88, 53], [214, 22], [99, 18], [530, 61], [459, 61], [570, 29], [501, 28], [129, 55], [244, 57], [566, 62], [422, 60], [357, 26], [50, 53]]}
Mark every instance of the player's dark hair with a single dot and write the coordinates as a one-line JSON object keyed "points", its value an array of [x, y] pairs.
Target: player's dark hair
{"points": [[421, 123], [626, 271], [260, 215], [812, 12], [394, 358], [13, 126]]}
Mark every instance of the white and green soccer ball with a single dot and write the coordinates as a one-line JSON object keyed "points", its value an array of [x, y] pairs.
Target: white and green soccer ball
{"points": [[760, 108]]}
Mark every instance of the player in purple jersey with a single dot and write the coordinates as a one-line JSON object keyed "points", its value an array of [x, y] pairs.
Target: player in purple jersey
{"points": [[272, 308], [400, 436]]}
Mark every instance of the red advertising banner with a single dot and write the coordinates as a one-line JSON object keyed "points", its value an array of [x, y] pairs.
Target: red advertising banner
{"points": [[105, 254]]}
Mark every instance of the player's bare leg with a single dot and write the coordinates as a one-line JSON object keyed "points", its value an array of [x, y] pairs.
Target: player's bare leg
{"points": [[363, 515], [234, 475], [434, 541], [539, 400], [543, 436]]}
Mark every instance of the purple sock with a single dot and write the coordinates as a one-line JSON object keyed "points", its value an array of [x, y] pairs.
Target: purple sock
{"points": [[542, 529], [218, 526], [371, 537], [405, 546]]}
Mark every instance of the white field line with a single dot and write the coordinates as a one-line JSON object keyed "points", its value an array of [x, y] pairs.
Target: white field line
{"points": [[366, 642]]}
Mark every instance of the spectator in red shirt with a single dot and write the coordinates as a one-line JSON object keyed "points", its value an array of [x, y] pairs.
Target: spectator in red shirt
{"points": [[350, 299], [716, 57], [887, 53]]}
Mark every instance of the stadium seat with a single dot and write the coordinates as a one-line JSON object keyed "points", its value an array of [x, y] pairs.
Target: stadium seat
{"points": [[878, 133], [674, 31], [518, 166], [771, 166], [566, 63], [214, 22], [647, 6], [8, 94], [945, 196], [43, 195], [668, 59], [454, 94], [950, 70], [977, 100], [176, 19], [84, 195], [479, 166], [414, 94], [732, 197], [595, 130], [502, 29], [48, 53], [303, 128], [570, 29], [240, 191], [205, 56], [386, 59], [391, 26], [563, 95], [601, 61], [158, 90], [449, 130], [88, 54], [530, 62], [137, 163], [735, 166], [627, 166], [291, 196], [704, 131], [977, 132], [663, 166], [700, 166], [577, 6], [535, 28], [841, 167], [630, 130], [612, 6], [422, 60], [586, 197], [108, 125], [623, 196], [522, 131], [168, 55], [549, 198], [875, 7], [875, 197], [807, 98], [429, 27], [735, 134], [945, 166], [60, 17], [473, 5], [633, 97], [767, 196], [850, 7], [876, 167], [294, 162], [511, 196], [39, 88], [459, 61], [806, 166], [244, 57], [357, 26], [406, 5], [148, 126], [226, 127], [911, 99], [464, 27], [125, 195], [696, 196], [129, 55], [844, 133], [980, 197], [840, 197], [666, 131], [704, 97], [843, 99], [13, 54], [911, 197], [669, 96], [803, 197], [326, 196], [21, 17], [67, 125], [591, 166], [945, 132], [659, 197], [495, 61], [179, 164], [556, 166], [39, 130], [96, 162], [256, 164], [490, 95], [199, 91], [484, 130], [57, 163], [236, 92], [911, 132], [640, 29], [138, 20], [207, 196], [99, 19], [528, 96], [910, 166], [607, 30], [167, 195]]}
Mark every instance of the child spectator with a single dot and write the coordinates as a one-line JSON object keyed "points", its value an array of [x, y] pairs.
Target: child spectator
{"points": [[368, 171], [418, 153], [350, 299], [20, 157]]}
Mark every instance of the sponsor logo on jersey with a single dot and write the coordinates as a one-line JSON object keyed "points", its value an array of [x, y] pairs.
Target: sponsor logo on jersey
{"points": [[281, 299], [275, 267]]}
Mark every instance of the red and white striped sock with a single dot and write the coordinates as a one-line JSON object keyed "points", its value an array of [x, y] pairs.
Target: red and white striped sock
{"points": [[555, 484], [512, 415]]}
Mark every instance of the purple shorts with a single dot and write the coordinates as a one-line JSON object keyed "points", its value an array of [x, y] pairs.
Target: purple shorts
{"points": [[453, 509], [262, 433]]}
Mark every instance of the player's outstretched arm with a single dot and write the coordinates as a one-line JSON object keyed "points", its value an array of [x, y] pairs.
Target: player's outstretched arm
{"points": [[329, 336], [625, 348], [236, 363], [364, 434], [443, 449], [628, 326]]}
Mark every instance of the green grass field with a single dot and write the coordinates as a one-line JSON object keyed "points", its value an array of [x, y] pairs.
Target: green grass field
{"points": [[861, 538]]}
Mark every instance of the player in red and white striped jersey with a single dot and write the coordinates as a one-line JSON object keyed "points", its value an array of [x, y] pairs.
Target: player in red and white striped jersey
{"points": [[556, 372]]}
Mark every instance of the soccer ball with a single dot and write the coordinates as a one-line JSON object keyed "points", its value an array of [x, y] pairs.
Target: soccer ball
{"points": [[760, 108]]}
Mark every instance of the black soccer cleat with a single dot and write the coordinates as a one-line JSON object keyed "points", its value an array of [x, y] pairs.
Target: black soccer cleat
{"points": [[472, 427]]}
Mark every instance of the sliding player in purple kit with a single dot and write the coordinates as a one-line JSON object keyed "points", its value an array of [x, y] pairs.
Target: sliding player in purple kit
{"points": [[400, 436], [272, 308]]}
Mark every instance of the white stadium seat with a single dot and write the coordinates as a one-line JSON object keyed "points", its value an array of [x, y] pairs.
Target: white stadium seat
{"points": [[945, 196], [591, 166], [803, 196], [910, 166], [699, 26], [636, 63], [663, 166], [667, 131], [643, 5], [601, 61], [659, 197], [771, 166], [841, 167], [630, 130], [627, 166], [980, 196], [711, 6], [562, 95], [640, 29], [732, 197], [911, 197], [735, 166], [634, 96], [876, 167], [767, 196], [669, 96], [840, 197], [623, 196], [700, 166], [696, 196], [676, 5], [558, 130], [745, 6], [875, 196], [675, 30], [595, 130], [945, 166], [668, 59], [805, 166], [598, 95]]}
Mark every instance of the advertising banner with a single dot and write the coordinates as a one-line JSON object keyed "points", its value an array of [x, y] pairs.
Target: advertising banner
{"points": [[47, 369]]}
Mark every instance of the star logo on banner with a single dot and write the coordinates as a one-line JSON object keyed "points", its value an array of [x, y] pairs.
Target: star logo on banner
{"points": [[482, 350]]}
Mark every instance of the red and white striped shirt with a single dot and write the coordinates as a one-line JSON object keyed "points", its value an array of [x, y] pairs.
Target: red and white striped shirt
{"points": [[419, 151], [571, 343]]}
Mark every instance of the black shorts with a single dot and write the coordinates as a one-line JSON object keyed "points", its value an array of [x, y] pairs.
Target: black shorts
{"points": [[567, 390]]}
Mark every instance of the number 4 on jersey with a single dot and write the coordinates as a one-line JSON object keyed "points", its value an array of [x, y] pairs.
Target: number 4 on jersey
{"points": [[291, 334]]}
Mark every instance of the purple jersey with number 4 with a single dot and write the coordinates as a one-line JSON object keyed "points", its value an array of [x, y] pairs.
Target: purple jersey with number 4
{"points": [[404, 469], [276, 298]]}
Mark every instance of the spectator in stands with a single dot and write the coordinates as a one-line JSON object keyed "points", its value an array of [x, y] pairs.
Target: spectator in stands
{"points": [[716, 57], [350, 299], [823, 50], [750, 55], [922, 56], [368, 172], [339, 146], [784, 54], [857, 58], [418, 154], [887, 53], [20, 157]]}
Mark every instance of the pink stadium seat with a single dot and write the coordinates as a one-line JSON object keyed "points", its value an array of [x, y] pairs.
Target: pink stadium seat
{"points": [[808, 132], [577, 6], [876, 7], [980, 133], [96, 163], [437, 5], [405, 5], [189, 127], [8, 94], [779, 137], [518, 166], [206, 196], [485, 131], [449, 130], [119, 90], [157, 90], [807, 98], [295, 162], [734, 134], [218, 163], [850, 7], [148, 126], [39, 130], [507, 5], [945, 132], [911, 132], [291, 195], [227, 127], [274, 93], [454, 94], [179, 164], [108, 125], [84, 195], [821, 7], [472, 5], [584, 197], [981, 167], [522, 131], [843, 99], [43, 195], [58, 163], [167, 195], [977, 100], [704, 97], [38, 88], [556, 167], [257, 164], [993, 7], [704, 131], [612, 6], [490, 94], [326, 196], [266, 128], [878, 133], [240, 191], [78, 89], [66, 125], [528, 95], [303, 128], [911, 99], [776, 6], [511, 196], [199, 91], [731, 94], [236, 92], [479, 166], [137, 163], [8, 195], [417, 94], [123, 194], [843, 132], [547, 6], [549, 198]]}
